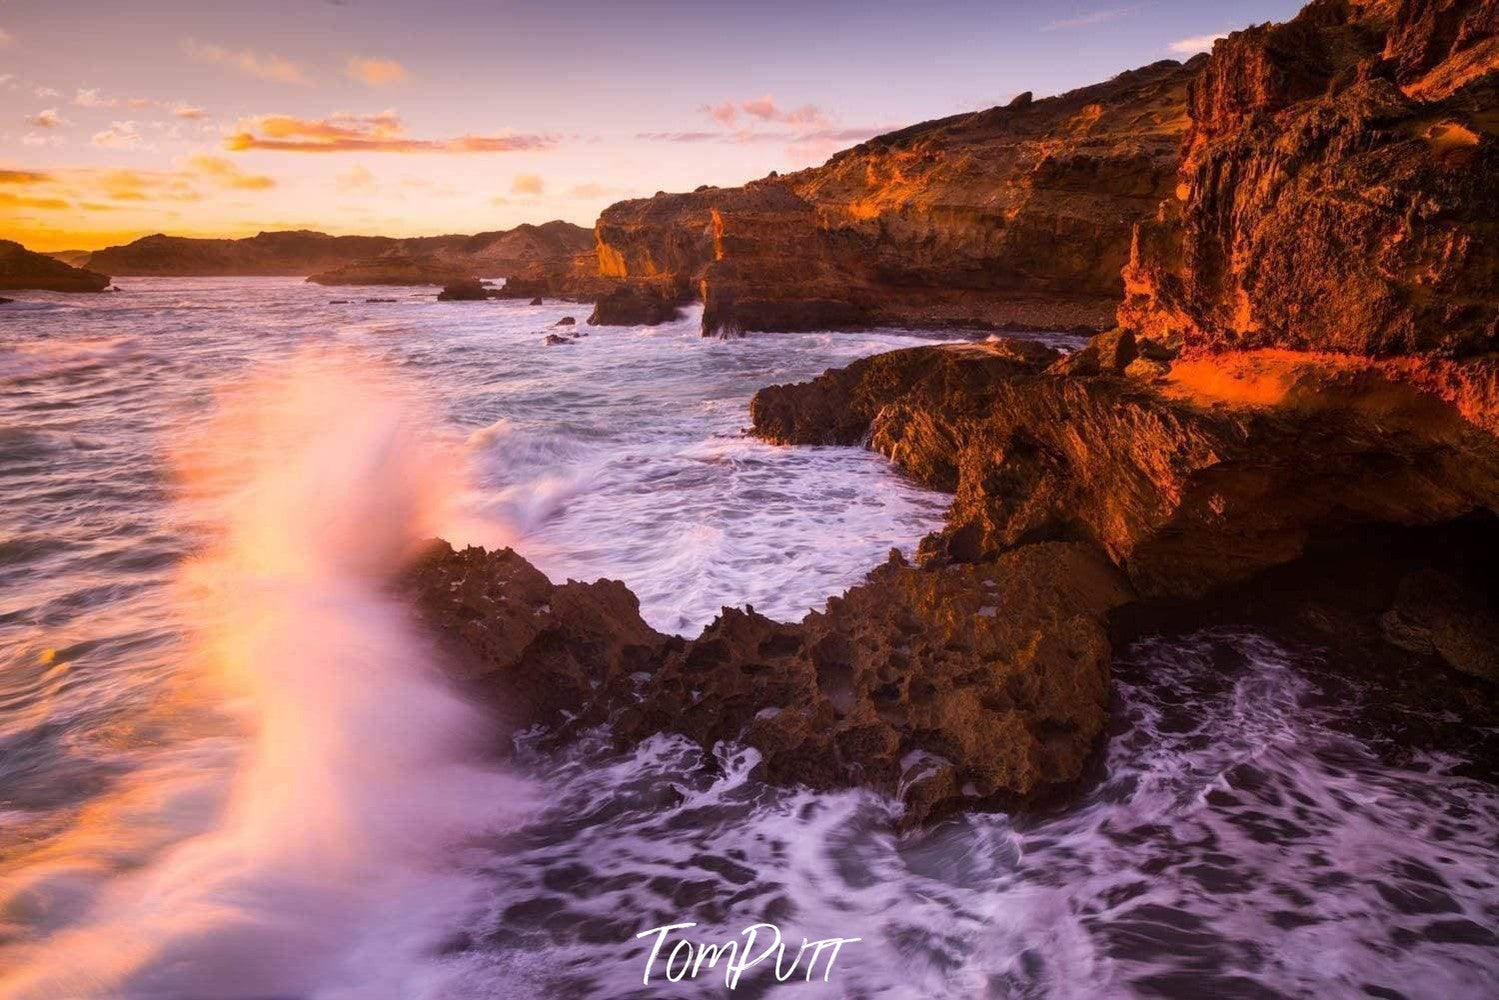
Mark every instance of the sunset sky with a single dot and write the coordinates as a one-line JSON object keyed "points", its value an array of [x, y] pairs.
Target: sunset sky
{"points": [[404, 119]]}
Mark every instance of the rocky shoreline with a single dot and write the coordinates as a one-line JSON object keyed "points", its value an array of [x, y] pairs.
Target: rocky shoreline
{"points": [[1294, 422]]}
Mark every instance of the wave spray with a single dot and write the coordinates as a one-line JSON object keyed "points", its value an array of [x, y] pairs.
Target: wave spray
{"points": [[362, 774]]}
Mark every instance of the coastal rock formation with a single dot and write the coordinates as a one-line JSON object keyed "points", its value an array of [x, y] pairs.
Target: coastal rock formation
{"points": [[389, 270], [466, 290], [1224, 468], [301, 252], [1339, 188], [944, 687], [638, 303], [1015, 216], [22, 269]]}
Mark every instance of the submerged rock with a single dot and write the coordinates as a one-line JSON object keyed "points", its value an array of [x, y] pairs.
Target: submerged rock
{"points": [[566, 321]]}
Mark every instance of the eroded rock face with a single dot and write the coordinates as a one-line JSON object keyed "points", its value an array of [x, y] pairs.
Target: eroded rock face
{"points": [[1339, 189], [1015, 216], [22, 269], [465, 290], [1222, 469], [638, 303], [945, 686]]}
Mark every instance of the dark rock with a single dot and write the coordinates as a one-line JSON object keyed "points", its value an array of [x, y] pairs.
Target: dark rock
{"points": [[553, 339], [300, 252], [4, 300], [994, 677], [565, 321], [1435, 613], [637, 303], [536, 301], [469, 290], [22, 269]]}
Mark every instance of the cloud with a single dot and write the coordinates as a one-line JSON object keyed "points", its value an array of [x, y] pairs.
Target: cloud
{"points": [[43, 93], [48, 118], [356, 178], [189, 112], [382, 133], [24, 177], [119, 135], [22, 201], [684, 136], [1195, 44], [226, 173], [1088, 18], [828, 134], [528, 184], [375, 72], [724, 113], [263, 66], [764, 109], [5, 38], [91, 98], [140, 185]]}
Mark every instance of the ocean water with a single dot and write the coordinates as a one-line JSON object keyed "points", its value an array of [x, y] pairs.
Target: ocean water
{"points": [[230, 766]]}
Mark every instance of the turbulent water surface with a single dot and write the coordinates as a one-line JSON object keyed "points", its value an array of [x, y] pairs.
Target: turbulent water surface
{"points": [[229, 767]]}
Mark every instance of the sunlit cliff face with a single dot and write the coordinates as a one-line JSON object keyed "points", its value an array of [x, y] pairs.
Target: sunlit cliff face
{"points": [[380, 117]]}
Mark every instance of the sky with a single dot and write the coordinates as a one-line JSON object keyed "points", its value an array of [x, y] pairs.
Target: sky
{"points": [[401, 118]]}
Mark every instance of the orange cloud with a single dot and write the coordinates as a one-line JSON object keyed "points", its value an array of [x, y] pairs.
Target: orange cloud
{"points": [[375, 72], [24, 177], [265, 67], [226, 174], [46, 119], [382, 133], [724, 113], [21, 201], [189, 112], [356, 178], [530, 184], [137, 185]]}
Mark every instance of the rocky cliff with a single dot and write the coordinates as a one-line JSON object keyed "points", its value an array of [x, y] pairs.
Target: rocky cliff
{"points": [[301, 253], [1338, 189], [1297, 426], [1019, 215], [22, 269]]}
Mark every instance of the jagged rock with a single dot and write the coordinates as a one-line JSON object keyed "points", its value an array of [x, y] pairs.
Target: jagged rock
{"points": [[1338, 190], [1017, 215], [536, 301], [566, 321], [637, 303], [469, 290], [5, 301], [1108, 353], [996, 675], [1438, 614], [543, 649], [22, 269], [553, 339], [1226, 468]]}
